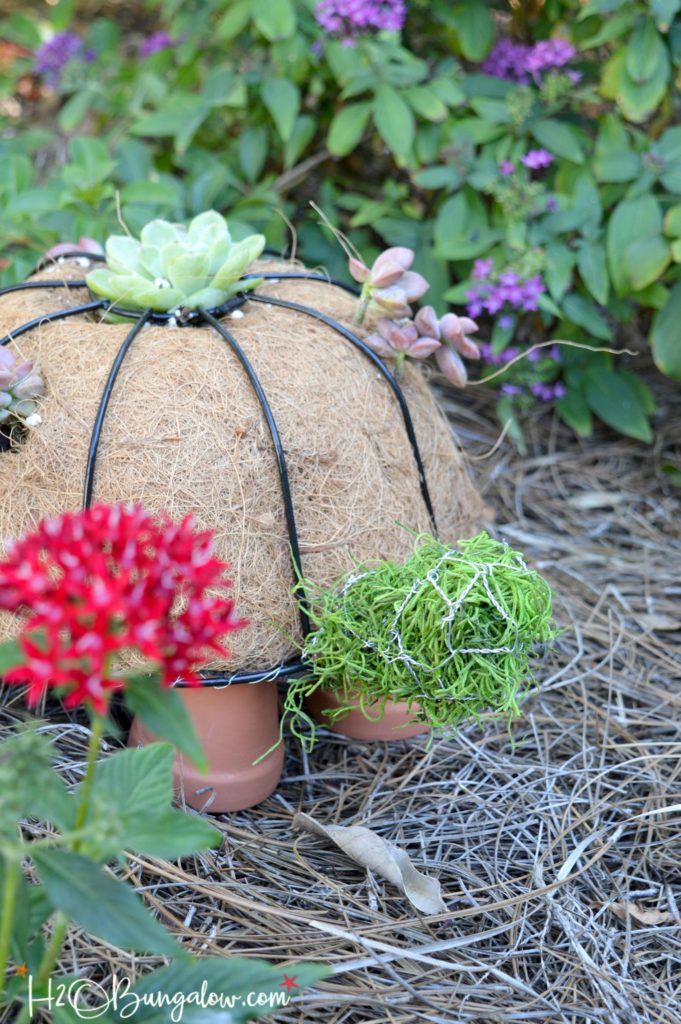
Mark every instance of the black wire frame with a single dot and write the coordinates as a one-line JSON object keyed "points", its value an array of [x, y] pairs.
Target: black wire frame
{"points": [[289, 667]]}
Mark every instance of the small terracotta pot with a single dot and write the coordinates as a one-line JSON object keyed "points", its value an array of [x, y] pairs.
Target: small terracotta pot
{"points": [[235, 724], [393, 726]]}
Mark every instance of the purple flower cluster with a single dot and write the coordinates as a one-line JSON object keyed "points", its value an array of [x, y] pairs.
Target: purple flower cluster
{"points": [[509, 354], [547, 392], [517, 62], [537, 159], [52, 56], [154, 43], [350, 18], [508, 290], [500, 358]]}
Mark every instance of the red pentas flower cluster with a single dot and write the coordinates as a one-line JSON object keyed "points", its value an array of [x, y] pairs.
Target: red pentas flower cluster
{"points": [[109, 578]]}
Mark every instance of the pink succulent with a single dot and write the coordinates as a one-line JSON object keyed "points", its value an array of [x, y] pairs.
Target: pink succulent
{"points": [[389, 282], [451, 334], [394, 340], [84, 245]]}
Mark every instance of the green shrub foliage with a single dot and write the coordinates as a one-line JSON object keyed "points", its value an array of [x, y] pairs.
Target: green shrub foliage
{"points": [[529, 155]]}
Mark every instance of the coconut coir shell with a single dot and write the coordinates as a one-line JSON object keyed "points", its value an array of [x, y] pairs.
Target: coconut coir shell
{"points": [[185, 433]]}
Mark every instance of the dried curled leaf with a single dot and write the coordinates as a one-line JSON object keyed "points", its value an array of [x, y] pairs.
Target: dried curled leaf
{"points": [[377, 854], [643, 915]]}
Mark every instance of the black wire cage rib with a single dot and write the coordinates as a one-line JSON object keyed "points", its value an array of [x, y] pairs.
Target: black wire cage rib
{"points": [[201, 317]]}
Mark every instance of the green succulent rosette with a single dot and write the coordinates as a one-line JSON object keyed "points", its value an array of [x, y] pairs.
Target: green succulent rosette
{"points": [[175, 267]]}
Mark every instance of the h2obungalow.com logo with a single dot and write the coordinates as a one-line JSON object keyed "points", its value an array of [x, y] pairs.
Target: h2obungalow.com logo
{"points": [[89, 1000]]}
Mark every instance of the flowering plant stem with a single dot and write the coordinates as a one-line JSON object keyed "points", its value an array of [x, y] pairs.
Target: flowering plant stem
{"points": [[362, 306], [61, 921], [9, 899]]}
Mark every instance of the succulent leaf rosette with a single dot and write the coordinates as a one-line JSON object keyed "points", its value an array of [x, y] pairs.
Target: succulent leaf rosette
{"points": [[175, 267], [20, 386]]}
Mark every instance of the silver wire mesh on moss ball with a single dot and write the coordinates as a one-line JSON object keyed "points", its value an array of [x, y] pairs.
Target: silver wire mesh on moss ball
{"points": [[201, 318]]}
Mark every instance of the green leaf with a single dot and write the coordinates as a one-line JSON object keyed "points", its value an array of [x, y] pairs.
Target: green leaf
{"points": [[240, 257], [220, 87], [615, 26], [426, 103], [232, 978], [547, 305], [559, 263], [11, 655], [668, 146], [133, 290], [445, 176], [90, 163], [136, 786], [582, 311], [645, 51], [613, 159], [672, 222], [631, 220], [347, 128], [639, 100], [29, 786], [559, 138], [165, 715], [253, 147], [188, 272], [139, 780], [645, 261], [276, 20], [653, 297], [282, 99], [75, 109], [21, 924], [664, 12], [100, 903], [394, 121], [474, 28], [170, 835], [617, 401], [304, 131], [234, 20], [593, 268], [665, 335], [179, 118], [158, 193], [573, 409], [124, 255]]}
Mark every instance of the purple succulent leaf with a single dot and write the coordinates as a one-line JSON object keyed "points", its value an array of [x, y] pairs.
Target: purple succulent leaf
{"points": [[468, 348], [6, 378], [23, 370], [358, 270], [389, 273], [451, 365], [29, 387], [414, 285], [5, 400], [424, 347], [391, 331], [7, 358], [400, 336], [427, 322], [396, 254], [379, 345], [393, 300]]}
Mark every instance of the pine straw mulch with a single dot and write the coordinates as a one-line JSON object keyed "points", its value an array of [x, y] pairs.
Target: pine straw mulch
{"points": [[557, 847]]}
